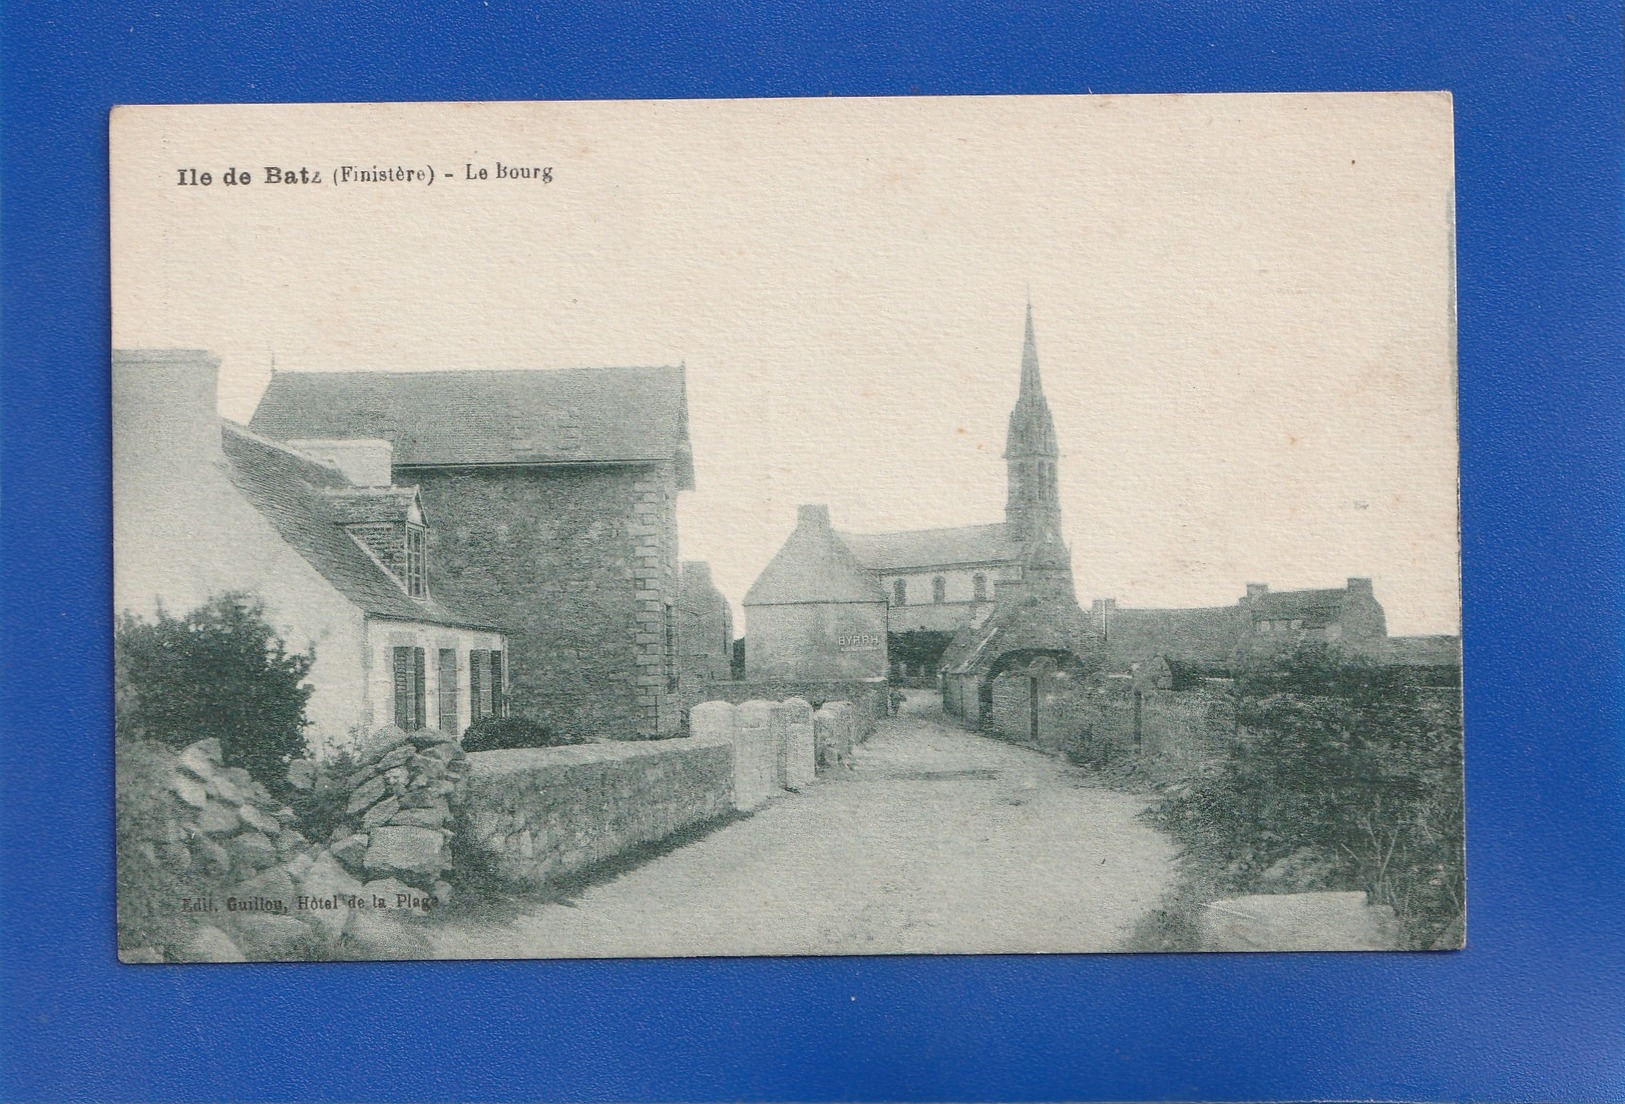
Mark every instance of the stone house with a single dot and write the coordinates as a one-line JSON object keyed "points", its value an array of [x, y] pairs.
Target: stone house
{"points": [[705, 632], [815, 612], [555, 500], [340, 556], [1261, 621]]}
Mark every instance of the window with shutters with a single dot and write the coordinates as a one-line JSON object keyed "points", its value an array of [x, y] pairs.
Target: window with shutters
{"points": [[417, 571], [410, 690], [448, 691], [499, 686], [939, 589], [899, 592], [979, 582], [479, 683]]}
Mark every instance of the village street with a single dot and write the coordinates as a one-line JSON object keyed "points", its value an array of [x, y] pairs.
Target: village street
{"points": [[938, 841]]}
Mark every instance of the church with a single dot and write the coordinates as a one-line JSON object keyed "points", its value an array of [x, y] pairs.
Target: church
{"points": [[940, 592]]}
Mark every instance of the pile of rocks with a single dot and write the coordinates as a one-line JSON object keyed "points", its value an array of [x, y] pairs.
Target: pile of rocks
{"points": [[234, 879], [397, 821]]}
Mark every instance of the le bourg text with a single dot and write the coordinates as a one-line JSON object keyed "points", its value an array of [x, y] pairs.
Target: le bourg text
{"points": [[235, 176]]}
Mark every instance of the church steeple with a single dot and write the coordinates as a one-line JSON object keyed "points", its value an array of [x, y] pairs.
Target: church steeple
{"points": [[1030, 451]]}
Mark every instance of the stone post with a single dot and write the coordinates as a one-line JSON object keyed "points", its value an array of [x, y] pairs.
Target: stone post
{"points": [[757, 747], [800, 749], [715, 719]]}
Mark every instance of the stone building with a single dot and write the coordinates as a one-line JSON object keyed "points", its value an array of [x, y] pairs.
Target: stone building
{"points": [[705, 631], [340, 556], [815, 612], [1261, 621], [1036, 614], [555, 496]]}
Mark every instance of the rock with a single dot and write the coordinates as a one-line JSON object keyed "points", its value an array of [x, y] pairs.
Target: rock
{"points": [[329, 887], [366, 795], [218, 819], [224, 789], [381, 812], [427, 770], [210, 944], [405, 849], [391, 889], [189, 790], [297, 865], [442, 892], [291, 843], [350, 849], [275, 884], [176, 857], [396, 758], [274, 937], [426, 737], [210, 855], [140, 954], [1299, 922], [397, 778], [302, 774], [427, 798], [253, 849], [201, 758], [370, 934], [430, 817], [174, 833], [446, 753], [258, 820]]}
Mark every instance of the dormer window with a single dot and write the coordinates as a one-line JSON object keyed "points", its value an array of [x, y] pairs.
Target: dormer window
{"points": [[417, 568]]}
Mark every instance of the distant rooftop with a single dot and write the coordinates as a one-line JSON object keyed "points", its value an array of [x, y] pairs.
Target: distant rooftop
{"points": [[965, 544]]}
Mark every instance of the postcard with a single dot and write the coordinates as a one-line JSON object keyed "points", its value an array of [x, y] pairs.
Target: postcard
{"points": [[936, 525]]}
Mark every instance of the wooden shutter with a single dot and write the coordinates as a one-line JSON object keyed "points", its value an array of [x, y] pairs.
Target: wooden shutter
{"points": [[499, 686], [448, 691], [403, 688], [479, 690]]}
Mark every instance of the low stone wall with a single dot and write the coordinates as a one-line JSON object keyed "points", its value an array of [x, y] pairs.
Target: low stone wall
{"points": [[774, 745], [870, 698], [835, 734], [535, 814]]}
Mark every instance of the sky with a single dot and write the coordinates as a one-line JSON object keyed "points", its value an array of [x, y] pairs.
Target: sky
{"points": [[1244, 305]]}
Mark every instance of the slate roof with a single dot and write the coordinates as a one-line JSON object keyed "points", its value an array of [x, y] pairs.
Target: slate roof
{"points": [[296, 495], [965, 544], [441, 419], [814, 566], [1206, 637], [1027, 625], [1316, 607]]}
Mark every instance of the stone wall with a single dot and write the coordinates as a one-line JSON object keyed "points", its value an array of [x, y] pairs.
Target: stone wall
{"points": [[536, 814], [212, 868], [580, 564], [774, 745], [870, 698]]}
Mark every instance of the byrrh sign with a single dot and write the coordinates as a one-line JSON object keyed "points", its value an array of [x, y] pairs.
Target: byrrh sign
{"points": [[859, 642]]}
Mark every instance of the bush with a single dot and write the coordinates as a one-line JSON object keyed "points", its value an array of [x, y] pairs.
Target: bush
{"points": [[1336, 758], [503, 733], [221, 671]]}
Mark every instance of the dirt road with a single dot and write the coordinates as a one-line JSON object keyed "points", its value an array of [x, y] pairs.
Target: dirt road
{"points": [[938, 841]]}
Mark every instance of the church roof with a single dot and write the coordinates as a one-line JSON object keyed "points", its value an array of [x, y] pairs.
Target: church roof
{"points": [[300, 497], [434, 419], [924, 548], [814, 566]]}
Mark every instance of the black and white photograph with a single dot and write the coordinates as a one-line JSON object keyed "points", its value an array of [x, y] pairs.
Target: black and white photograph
{"points": [[931, 525]]}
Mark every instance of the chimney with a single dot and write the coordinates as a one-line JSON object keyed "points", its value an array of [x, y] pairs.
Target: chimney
{"points": [[813, 517], [1257, 590], [365, 461], [1359, 586], [166, 401]]}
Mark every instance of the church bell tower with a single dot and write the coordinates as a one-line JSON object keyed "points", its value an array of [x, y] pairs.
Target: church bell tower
{"points": [[1033, 507]]}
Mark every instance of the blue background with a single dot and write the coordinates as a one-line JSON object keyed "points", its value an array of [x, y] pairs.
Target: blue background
{"points": [[1534, 1009]]}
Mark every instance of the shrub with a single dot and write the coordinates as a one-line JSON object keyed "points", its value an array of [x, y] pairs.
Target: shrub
{"points": [[502, 733], [221, 671], [1334, 757]]}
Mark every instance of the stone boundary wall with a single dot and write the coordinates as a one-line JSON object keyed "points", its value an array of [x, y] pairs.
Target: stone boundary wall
{"points": [[870, 698], [774, 745], [535, 814]]}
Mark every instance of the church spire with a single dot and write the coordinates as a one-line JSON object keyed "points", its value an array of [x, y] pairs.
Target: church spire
{"points": [[1031, 451]]}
